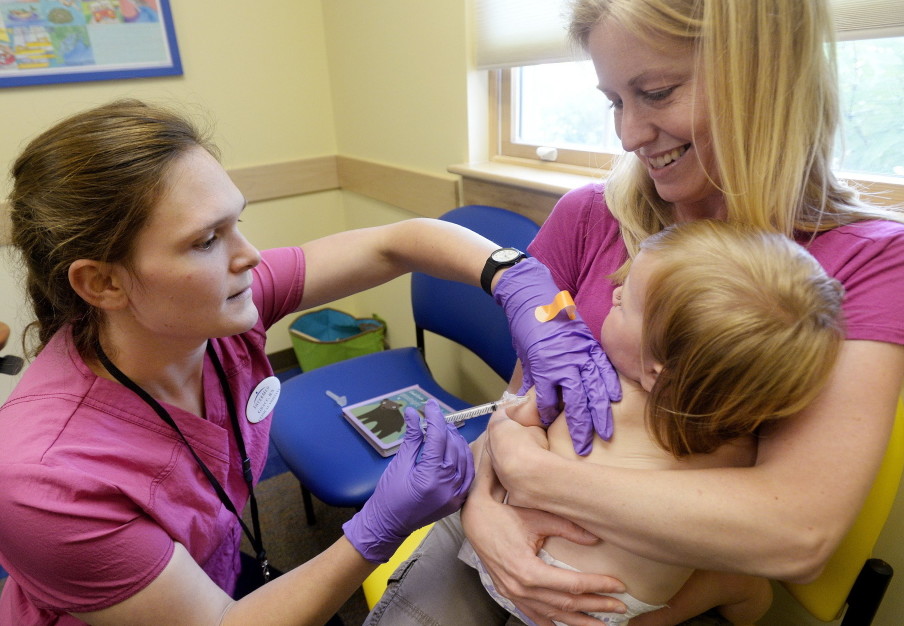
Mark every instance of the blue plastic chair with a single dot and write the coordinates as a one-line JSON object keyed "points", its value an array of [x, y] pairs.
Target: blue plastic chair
{"points": [[331, 460]]}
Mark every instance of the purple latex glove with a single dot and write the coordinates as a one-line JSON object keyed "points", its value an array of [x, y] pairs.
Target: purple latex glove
{"points": [[560, 355], [427, 480]]}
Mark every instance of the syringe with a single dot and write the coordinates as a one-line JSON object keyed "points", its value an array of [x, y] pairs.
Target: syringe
{"points": [[508, 399]]}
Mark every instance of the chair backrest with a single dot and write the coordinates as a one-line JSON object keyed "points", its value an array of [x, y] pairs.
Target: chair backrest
{"points": [[464, 313], [825, 597]]}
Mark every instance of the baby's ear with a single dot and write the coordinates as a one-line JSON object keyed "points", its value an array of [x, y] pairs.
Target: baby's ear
{"points": [[96, 284], [650, 374]]}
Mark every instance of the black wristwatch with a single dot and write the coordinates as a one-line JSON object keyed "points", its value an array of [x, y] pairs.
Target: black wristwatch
{"points": [[503, 257]]}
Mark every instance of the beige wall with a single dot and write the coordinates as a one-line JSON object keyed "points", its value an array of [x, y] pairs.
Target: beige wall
{"points": [[381, 81], [399, 76], [376, 88], [398, 70], [260, 78]]}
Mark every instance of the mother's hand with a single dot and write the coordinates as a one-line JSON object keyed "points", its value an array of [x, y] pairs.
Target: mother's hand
{"points": [[510, 446], [507, 539]]}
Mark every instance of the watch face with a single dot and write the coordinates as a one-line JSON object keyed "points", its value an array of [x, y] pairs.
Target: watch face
{"points": [[506, 254]]}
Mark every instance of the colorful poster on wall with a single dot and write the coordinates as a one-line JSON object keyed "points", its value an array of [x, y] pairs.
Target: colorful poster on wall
{"points": [[53, 41]]}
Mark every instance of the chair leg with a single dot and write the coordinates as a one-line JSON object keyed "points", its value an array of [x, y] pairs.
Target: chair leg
{"points": [[867, 592], [308, 506], [419, 340]]}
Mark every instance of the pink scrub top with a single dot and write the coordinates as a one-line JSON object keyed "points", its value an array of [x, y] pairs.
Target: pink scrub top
{"points": [[96, 487]]}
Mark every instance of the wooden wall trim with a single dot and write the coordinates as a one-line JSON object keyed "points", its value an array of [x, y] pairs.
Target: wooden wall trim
{"points": [[529, 191], [531, 203], [428, 195], [532, 188], [425, 194], [519, 186], [290, 178], [257, 182]]}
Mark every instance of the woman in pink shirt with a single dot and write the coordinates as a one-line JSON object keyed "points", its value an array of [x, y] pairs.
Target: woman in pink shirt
{"points": [[726, 109], [132, 444]]}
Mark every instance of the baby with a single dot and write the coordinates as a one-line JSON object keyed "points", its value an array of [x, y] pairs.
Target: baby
{"points": [[716, 330]]}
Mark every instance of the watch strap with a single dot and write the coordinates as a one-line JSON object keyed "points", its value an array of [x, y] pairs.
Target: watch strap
{"points": [[492, 266]]}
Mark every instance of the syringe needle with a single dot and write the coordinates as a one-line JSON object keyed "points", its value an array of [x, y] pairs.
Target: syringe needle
{"points": [[508, 399]]}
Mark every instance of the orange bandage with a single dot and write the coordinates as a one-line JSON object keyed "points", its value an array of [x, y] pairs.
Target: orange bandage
{"points": [[562, 301]]}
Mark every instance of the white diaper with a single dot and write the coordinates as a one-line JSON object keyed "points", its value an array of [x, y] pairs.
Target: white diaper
{"points": [[635, 606]]}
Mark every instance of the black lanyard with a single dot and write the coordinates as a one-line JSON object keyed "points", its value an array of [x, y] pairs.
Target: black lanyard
{"points": [[256, 539]]}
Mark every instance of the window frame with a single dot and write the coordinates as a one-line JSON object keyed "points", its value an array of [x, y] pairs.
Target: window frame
{"points": [[506, 87], [501, 89]]}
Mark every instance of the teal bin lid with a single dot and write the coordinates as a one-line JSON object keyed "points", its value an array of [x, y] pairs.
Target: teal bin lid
{"points": [[326, 325]]}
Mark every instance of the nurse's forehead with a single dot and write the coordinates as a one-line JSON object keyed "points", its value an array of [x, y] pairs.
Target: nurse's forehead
{"points": [[198, 191], [188, 220]]}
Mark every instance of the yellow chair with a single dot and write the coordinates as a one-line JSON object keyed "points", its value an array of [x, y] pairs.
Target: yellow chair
{"points": [[375, 584], [853, 578]]}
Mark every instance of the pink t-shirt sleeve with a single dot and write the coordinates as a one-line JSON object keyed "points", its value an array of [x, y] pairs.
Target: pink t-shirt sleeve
{"points": [[278, 283], [96, 490], [102, 538], [868, 259], [560, 244]]}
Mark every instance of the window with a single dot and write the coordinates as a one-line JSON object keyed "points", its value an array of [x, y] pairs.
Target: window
{"points": [[558, 105], [872, 106]]}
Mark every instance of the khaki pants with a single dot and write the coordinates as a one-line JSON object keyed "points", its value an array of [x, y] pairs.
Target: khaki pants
{"points": [[434, 588]]}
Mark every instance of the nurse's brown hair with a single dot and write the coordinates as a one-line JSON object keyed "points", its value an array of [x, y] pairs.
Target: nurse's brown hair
{"points": [[84, 189]]}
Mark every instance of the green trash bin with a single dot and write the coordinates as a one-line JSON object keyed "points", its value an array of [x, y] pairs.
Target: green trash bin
{"points": [[328, 335]]}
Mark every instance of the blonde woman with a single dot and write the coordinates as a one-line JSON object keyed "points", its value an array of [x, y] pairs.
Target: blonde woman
{"points": [[727, 109]]}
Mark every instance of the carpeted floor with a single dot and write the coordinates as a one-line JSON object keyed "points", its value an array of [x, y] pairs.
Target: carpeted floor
{"points": [[288, 538]]}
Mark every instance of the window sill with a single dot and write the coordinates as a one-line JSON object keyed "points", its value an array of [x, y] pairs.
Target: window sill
{"points": [[539, 176], [881, 190], [522, 185], [532, 187]]}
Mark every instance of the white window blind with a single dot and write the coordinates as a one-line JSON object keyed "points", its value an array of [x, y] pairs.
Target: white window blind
{"points": [[511, 33], [868, 19]]}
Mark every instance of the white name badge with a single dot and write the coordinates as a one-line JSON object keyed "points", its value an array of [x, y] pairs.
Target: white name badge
{"points": [[262, 399]]}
